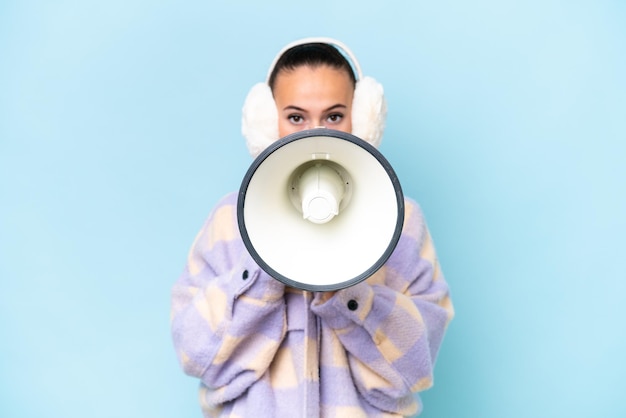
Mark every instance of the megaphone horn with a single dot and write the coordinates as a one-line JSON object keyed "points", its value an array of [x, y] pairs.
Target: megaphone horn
{"points": [[320, 210]]}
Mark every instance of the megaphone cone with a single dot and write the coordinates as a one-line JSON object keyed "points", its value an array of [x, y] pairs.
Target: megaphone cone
{"points": [[320, 210]]}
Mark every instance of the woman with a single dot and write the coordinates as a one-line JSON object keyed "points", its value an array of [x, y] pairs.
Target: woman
{"points": [[266, 350]]}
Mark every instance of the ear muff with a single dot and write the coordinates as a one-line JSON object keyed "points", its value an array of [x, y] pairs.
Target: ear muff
{"points": [[369, 111], [259, 121]]}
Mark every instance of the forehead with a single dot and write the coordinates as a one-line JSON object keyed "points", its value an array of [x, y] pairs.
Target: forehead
{"points": [[310, 82]]}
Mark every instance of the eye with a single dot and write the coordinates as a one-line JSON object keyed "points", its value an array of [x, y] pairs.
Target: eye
{"points": [[334, 118], [295, 118]]}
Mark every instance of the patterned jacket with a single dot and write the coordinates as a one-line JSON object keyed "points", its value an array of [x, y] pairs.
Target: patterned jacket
{"points": [[262, 349]]}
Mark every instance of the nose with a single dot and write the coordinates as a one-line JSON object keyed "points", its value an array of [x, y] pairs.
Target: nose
{"points": [[310, 125]]}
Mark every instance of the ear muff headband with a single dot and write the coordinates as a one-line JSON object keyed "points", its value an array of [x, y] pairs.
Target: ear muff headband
{"points": [[356, 67], [259, 121]]}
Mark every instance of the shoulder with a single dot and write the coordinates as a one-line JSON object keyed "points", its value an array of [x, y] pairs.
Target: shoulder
{"points": [[226, 206], [220, 225], [414, 222], [229, 200]]}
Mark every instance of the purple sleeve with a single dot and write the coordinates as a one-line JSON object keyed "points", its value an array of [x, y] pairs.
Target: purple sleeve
{"points": [[392, 324], [227, 315]]}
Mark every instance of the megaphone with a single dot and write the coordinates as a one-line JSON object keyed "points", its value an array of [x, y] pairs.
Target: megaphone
{"points": [[320, 210]]}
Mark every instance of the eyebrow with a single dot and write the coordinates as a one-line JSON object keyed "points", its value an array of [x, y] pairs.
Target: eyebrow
{"points": [[299, 109]]}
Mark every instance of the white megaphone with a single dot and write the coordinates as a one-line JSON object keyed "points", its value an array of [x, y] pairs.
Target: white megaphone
{"points": [[320, 210]]}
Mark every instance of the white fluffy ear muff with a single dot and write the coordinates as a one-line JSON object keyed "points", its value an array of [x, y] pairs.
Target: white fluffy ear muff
{"points": [[259, 121], [369, 111]]}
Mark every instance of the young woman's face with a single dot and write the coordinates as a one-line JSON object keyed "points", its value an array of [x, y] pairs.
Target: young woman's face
{"points": [[309, 97]]}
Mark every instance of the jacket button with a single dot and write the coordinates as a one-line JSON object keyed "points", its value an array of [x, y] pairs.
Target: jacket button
{"points": [[353, 305], [244, 275]]}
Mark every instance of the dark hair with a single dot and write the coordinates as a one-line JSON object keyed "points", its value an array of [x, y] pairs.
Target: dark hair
{"points": [[312, 55]]}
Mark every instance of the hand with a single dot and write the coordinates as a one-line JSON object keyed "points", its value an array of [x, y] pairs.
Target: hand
{"points": [[324, 296]]}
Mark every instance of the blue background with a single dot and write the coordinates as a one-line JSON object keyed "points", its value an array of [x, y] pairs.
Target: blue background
{"points": [[120, 129]]}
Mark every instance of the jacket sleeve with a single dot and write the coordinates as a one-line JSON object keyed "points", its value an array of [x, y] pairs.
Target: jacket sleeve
{"points": [[392, 324], [227, 315]]}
